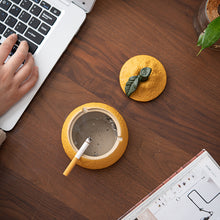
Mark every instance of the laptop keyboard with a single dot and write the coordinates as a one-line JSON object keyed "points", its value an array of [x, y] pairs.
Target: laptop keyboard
{"points": [[31, 20]]}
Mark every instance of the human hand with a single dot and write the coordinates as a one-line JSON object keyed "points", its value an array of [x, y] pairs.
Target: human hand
{"points": [[15, 82]]}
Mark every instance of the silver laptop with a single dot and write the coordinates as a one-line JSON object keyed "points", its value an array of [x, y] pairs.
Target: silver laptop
{"points": [[48, 26]]}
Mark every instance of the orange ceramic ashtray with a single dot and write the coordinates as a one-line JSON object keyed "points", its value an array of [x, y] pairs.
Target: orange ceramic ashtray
{"points": [[153, 86], [104, 125]]}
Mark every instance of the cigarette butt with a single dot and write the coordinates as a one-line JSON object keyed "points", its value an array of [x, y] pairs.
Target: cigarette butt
{"points": [[77, 156], [70, 166]]}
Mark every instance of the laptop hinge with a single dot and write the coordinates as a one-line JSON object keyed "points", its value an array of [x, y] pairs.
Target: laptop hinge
{"points": [[86, 5]]}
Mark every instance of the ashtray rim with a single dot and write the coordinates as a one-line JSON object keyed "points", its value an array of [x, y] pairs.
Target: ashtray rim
{"points": [[84, 111]]}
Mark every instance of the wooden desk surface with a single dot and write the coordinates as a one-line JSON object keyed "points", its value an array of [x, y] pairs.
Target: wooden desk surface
{"points": [[163, 134]]}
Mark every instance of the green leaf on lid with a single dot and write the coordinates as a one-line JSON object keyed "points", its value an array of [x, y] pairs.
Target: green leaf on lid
{"points": [[134, 81]]}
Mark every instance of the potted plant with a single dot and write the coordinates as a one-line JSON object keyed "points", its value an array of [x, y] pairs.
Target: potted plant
{"points": [[207, 25], [210, 35]]}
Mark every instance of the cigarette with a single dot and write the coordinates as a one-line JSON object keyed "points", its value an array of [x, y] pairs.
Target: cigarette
{"points": [[77, 156]]}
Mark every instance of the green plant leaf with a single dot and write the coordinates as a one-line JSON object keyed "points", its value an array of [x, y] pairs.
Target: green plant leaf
{"points": [[200, 40], [145, 73], [210, 35]]}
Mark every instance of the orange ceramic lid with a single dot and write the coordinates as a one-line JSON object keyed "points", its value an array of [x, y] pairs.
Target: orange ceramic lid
{"points": [[155, 83]]}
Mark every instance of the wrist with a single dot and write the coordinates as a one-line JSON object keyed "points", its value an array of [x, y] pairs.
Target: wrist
{"points": [[2, 136]]}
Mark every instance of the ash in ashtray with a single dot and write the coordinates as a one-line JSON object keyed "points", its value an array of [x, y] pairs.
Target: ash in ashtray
{"points": [[100, 127]]}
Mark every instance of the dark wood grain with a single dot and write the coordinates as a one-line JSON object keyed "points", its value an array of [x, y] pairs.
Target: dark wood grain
{"points": [[163, 134]]}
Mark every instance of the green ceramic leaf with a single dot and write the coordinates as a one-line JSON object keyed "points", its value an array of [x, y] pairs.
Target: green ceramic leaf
{"points": [[210, 35], [134, 81], [145, 73], [131, 85]]}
